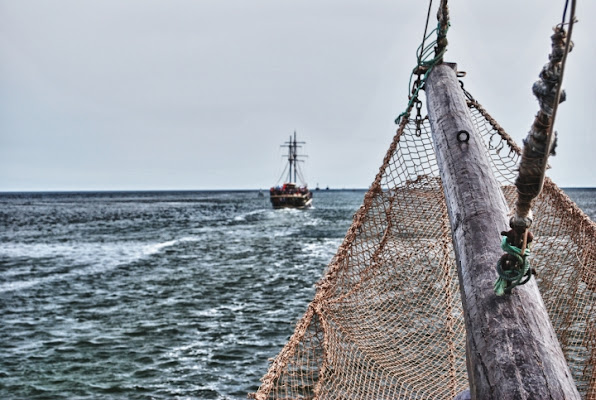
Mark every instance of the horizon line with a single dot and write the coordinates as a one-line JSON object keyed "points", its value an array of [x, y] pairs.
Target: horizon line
{"points": [[197, 190], [158, 190]]}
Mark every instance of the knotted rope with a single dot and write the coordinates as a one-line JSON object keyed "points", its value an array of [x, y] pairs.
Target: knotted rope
{"points": [[538, 145], [427, 59], [512, 268]]}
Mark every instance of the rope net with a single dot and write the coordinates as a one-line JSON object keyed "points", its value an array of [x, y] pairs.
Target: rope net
{"points": [[387, 320]]}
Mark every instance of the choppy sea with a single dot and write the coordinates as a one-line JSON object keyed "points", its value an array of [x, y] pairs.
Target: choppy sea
{"points": [[158, 295]]}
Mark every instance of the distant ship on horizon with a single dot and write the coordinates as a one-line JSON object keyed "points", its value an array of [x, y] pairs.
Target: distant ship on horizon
{"points": [[290, 194]]}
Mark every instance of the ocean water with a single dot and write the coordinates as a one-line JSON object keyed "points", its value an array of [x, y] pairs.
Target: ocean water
{"points": [[158, 295], [155, 295]]}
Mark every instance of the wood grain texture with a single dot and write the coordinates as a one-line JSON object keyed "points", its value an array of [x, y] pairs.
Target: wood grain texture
{"points": [[512, 349]]}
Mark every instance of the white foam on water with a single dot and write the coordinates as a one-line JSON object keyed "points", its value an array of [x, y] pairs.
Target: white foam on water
{"points": [[314, 222], [155, 248], [158, 247], [326, 248], [92, 258], [243, 216]]}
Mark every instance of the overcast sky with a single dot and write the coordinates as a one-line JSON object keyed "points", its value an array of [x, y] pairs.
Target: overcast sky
{"points": [[199, 94]]}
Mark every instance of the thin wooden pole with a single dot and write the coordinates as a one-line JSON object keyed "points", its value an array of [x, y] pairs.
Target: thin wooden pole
{"points": [[512, 349]]}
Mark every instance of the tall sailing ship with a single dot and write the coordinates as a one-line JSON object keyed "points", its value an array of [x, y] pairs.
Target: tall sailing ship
{"points": [[290, 194]]}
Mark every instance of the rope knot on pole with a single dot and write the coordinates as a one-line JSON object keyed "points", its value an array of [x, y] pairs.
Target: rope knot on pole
{"points": [[425, 58], [546, 89], [514, 266], [538, 145]]}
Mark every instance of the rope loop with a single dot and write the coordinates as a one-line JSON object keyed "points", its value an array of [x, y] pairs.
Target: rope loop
{"points": [[513, 268]]}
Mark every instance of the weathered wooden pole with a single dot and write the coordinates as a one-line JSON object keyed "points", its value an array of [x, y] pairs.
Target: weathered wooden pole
{"points": [[512, 349]]}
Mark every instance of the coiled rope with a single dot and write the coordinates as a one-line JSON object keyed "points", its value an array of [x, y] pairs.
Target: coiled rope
{"points": [[512, 277]]}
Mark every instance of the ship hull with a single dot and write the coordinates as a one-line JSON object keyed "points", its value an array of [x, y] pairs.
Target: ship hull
{"points": [[298, 200]]}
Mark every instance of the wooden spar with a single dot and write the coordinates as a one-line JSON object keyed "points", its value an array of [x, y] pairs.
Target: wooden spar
{"points": [[512, 349]]}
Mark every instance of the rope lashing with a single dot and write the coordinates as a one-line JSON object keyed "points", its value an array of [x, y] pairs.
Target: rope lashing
{"points": [[442, 28], [538, 145], [541, 140], [513, 267], [428, 55]]}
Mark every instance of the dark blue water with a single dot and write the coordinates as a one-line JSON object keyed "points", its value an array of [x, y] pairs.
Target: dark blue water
{"points": [[158, 295], [155, 295], [585, 199]]}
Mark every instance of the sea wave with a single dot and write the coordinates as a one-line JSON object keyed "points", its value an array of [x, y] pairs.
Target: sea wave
{"points": [[64, 261]]}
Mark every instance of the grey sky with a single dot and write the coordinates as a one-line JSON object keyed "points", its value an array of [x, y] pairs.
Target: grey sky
{"points": [[199, 94]]}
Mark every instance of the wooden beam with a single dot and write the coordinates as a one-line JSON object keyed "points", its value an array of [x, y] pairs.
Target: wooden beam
{"points": [[512, 349]]}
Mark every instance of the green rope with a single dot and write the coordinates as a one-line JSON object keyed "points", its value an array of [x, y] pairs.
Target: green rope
{"points": [[425, 62], [508, 279]]}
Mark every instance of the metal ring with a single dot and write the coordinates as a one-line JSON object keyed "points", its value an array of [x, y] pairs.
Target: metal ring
{"points": [[463, 139]]}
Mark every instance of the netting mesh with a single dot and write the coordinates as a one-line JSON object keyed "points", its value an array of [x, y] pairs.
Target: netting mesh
{"points": [[387, 320]]}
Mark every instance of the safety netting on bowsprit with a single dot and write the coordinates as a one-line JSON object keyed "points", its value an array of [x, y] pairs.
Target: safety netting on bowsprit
{"points": [[387, 320]]}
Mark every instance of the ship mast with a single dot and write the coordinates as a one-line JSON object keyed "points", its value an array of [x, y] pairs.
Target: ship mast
{"points": [[293, 157]]}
